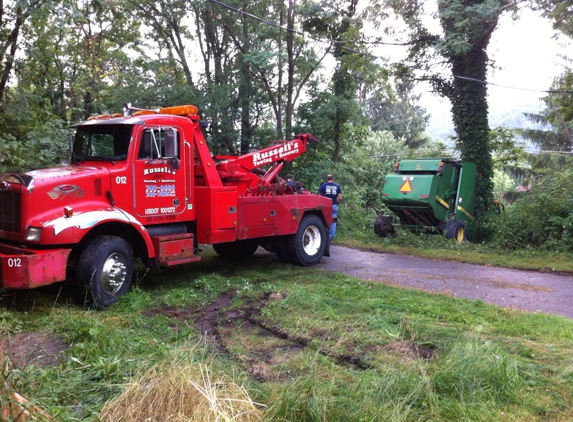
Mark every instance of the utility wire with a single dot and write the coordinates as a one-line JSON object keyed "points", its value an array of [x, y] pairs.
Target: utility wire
{"points": [[351, 50], [285, 28], [552, 91]]}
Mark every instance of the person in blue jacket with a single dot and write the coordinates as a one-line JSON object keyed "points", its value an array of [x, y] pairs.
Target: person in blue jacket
{"points": [[332, 190]]}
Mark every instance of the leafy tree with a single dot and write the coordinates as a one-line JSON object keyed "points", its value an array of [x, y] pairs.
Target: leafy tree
{"points": [[36, 139], [561, 12], [13, 18], [225, 39], [397, 111], [505, 147], [340, 21], [162, 21], [75, 53], [555, 131], [329, 116]]}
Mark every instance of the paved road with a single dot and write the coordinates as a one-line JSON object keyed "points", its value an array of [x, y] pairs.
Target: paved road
{"points": [[526, 290]]}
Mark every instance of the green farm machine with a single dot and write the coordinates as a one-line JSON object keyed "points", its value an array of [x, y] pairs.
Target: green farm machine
{"points": [[430, 195]]}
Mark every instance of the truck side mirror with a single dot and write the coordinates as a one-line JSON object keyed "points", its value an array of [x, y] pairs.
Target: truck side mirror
{"points": [[174, 163], [71, 146]]}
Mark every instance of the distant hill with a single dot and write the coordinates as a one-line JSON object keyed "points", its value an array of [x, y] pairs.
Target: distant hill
{"points": [[440, 126]]}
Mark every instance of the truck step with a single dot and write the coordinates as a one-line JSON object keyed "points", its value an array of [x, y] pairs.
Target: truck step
{"points": [[174, 262], [175, 249]]}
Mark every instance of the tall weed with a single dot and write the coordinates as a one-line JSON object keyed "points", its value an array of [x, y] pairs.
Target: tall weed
{"points": [[543, 218]]}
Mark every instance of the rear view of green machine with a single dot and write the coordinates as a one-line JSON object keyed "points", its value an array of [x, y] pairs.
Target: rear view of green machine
{"points": [[429, 195]]}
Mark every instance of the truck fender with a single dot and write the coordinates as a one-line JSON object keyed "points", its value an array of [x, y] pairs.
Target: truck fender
{"points": [[87, 221]]}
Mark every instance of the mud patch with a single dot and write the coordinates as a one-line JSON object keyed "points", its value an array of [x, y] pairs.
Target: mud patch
{"points": [[180, 314], [211, 316], [40, 349], [507, 284], [268, 352], [410, 350]]}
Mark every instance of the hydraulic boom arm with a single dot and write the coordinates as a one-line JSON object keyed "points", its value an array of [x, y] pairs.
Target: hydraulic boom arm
{"points": [[247, 167]]}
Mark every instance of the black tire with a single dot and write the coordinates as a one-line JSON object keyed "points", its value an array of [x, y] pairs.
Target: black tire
{"points": [[104, 271], [383, 226], [307, 246], [281, 249], [456, 229], [236, 250]]}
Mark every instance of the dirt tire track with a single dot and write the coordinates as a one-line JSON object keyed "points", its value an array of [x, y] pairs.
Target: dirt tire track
{"points": [[217, 314]]}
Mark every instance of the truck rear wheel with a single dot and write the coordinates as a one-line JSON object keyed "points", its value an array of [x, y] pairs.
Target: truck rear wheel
{"points": [[280, 248], [307, 246], [456, 229], [238, 249], [104, 271]]}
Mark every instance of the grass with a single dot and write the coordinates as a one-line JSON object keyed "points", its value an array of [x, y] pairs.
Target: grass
{"points": [[182, 388], [437, 247], [293, 344]]}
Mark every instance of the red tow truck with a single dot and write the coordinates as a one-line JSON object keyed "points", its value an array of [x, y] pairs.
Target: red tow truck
{"points": [[143, 184]]}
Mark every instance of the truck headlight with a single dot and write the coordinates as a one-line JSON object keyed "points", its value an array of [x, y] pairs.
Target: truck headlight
{"points": [[34, 234]]}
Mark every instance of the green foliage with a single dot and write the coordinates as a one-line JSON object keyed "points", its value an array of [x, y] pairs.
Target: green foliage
{"points": [[365, 170], [555, 122], [32, 138], [74, 54], [542, 218], [560, 13], [502, 183], [396, 110], [506, 149]]}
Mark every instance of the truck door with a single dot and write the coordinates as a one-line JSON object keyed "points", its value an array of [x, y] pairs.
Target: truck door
{"points": [[160, 183]]}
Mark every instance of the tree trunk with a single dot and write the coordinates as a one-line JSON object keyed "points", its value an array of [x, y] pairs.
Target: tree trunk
{"points": [[12, 44], [290, 82], [245, 92], [470, 117], [279, 102]]}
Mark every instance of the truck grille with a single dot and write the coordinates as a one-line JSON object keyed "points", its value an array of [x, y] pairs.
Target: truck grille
{"points": [[10, 211]]}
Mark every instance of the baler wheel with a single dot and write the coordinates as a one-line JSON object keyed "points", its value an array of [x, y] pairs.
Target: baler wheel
{"points": [[383, 226], [104, 271], [456, 229]]}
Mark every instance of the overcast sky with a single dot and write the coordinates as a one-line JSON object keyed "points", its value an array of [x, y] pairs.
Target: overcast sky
{"points": [[526, 55]]}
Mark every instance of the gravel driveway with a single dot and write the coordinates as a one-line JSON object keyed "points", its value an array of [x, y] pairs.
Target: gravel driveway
{"points": [[527, 290]]}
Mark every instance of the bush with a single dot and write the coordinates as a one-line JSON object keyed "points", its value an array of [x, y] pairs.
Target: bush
{"points": [[542, 218]]}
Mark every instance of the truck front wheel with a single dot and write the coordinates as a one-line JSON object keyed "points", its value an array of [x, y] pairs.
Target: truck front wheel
{"points": [[307, 246], [104, 271]]}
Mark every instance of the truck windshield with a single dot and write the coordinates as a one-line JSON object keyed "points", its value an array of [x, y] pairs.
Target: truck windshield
{"points": [[101, 142]]}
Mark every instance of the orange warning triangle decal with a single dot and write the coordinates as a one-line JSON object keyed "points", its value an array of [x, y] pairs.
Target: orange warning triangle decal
{"points": [[406, 187]]}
